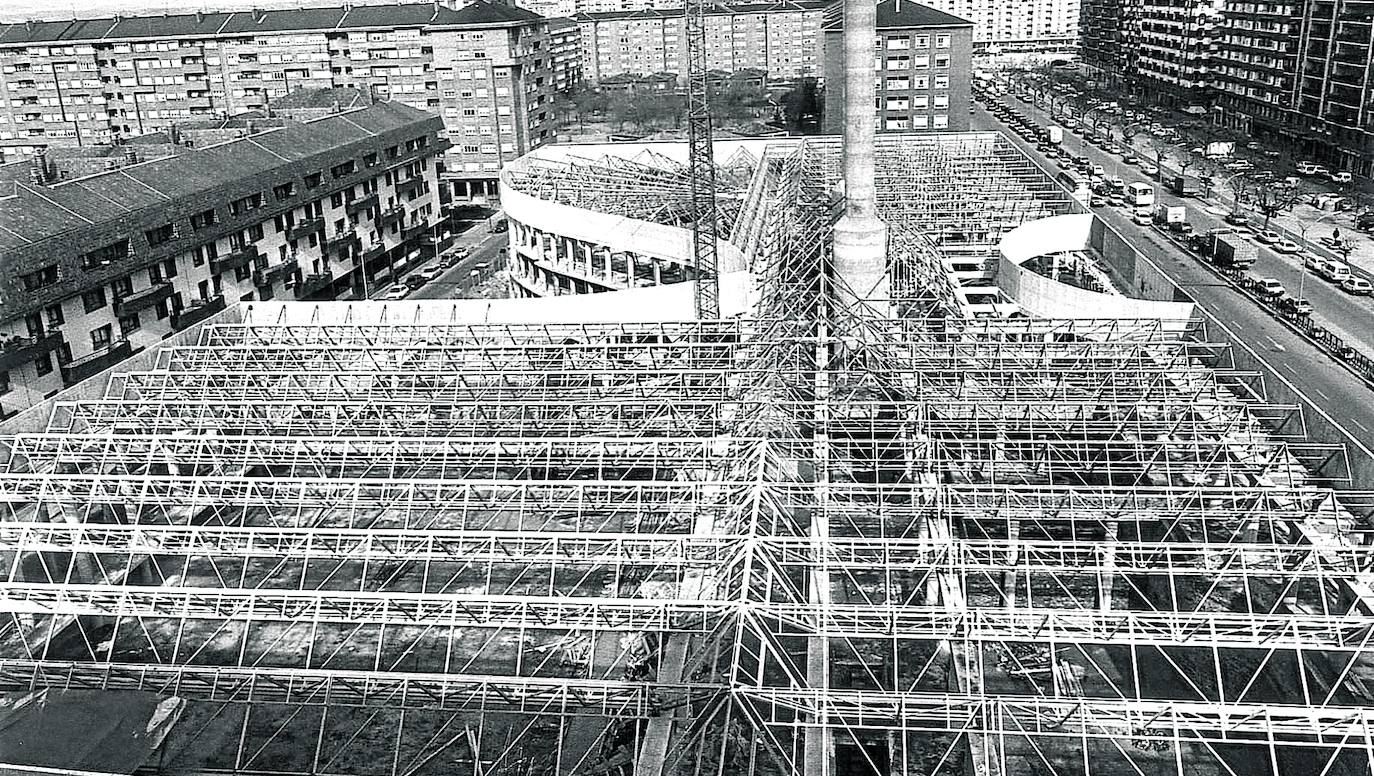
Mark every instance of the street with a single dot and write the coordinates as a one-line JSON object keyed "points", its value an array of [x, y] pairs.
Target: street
{"points": [[1327, 384], [1344, 315], [458, 282]]}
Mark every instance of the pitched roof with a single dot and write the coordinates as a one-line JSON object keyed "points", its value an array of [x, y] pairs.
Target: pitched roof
{"points": [[36, 213], [479, 13], [897, 15], [783, 6]]}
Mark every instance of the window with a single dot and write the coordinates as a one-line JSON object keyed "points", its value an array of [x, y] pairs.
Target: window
{"points": [[941, 121], [942, 100], [93, 300], [245, 204], [203, 219], [922, 41], [313, 179], [100, 338], [54, 316], [283, 191], [4, 383], [129, 324], [370, 159], [41, 278], [393, 152], [122, 287], [155, 274], [43, 364], [336, 199], [160, 235], [101, 257], [340, 170], [169, 268], [942, 81], [941, 41], [255, 232], [942, 61]]}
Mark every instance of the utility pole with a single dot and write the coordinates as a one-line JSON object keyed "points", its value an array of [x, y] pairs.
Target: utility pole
{"points": [[701, 165]]}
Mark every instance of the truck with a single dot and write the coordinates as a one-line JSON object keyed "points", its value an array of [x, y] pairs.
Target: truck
{"points": [[1055, 135], [1229, 251], [1184, 186], [1167, 215]]}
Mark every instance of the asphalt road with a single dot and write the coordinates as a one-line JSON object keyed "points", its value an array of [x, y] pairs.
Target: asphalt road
{"points": [[458, 282], [1349, 317], [1326, 384]]}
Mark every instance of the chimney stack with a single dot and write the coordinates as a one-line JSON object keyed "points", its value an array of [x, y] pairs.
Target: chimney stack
{"points": [[860, 252]]}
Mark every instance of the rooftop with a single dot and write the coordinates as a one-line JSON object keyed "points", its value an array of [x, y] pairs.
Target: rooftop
{"points": [[479, 13], [900, 15], [717, 10], [39, 213]]}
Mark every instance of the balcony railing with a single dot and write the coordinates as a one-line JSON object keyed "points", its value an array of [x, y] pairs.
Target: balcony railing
{"points": [[302, 228], [313, 284], [79, 369], [374, 251], [21, 350], [197, 312], [239, 257], [359, 205], [143, 299], [270, 275], [392, 215], [414, 231], [345, 242], [405, 187]]}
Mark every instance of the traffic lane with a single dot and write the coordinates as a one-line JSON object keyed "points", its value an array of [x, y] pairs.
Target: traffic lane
{"points": [[458, 278], [1340, 312], [1325, 383]]}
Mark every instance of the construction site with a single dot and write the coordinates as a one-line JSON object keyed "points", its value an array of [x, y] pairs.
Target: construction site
{"points": [[896, 508]]}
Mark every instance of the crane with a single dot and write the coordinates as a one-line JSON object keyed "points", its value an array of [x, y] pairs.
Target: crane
{"points": [[701, 165]]}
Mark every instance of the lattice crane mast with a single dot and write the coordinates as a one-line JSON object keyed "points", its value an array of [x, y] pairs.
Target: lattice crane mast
{"points": [[702, 165]]}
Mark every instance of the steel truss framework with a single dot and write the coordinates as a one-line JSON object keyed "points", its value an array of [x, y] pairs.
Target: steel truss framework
{"points": [[763, 545]]}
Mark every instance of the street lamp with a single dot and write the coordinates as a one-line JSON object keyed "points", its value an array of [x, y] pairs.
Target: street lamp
{"points": [[1302, 232]]}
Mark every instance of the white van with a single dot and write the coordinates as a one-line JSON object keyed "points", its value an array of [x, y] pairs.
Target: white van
{"points": [[1334, 271]]}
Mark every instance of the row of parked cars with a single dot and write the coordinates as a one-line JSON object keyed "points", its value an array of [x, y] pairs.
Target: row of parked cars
{"points": [[417, 280]]}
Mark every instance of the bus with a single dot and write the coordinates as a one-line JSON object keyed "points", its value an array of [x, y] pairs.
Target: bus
{"points": [[1140, 195], [1077, 186]]}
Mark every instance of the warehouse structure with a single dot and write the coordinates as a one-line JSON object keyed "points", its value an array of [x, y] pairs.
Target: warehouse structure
{"points": [[590, 534]]}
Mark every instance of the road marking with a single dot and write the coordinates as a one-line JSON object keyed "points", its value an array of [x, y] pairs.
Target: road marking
{"points": [[1361, 425], [1288, 366], [1277, 346], [1322, 393]]}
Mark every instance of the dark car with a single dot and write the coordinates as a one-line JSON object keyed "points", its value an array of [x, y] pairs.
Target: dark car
{"points": [[1237, 219], [1296, 307]]}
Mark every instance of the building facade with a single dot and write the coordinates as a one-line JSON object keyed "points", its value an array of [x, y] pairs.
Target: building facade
{"points": [[1176, 48], [1110, 39], [924, 63], [487, 69], [95, 268], [1256, 66], [565, 45], [782, 39]]}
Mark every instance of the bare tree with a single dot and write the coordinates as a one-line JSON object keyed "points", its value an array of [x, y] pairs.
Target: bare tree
{"points": [[1272, 200]]}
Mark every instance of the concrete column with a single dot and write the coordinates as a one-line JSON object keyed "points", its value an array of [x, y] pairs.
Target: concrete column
{"points": [[860, 257], [658, 272], [588, 253], [629, 270]]}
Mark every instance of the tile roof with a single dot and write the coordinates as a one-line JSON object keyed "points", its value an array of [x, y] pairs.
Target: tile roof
{"points": [[479, 13], [898, 15], [717, 10], [36, 213]]}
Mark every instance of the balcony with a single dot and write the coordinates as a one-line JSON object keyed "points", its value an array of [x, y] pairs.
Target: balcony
{"points": [[374, 251], [270, 275], [359, 205], [346, 242], [313, 284], [239, 257], [197, 312], [143, 298], [21, 350], [303, 228], [406, 187], [79, 369], [391, 216], [414, 231]]}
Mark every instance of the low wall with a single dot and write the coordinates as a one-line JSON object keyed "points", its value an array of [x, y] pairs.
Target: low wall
{"points": [[1048, 298], [1129, 265]]}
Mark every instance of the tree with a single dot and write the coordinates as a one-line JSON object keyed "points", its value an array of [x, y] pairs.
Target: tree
{"points": [[1271, 200], [1158, 150], [587, 101]]}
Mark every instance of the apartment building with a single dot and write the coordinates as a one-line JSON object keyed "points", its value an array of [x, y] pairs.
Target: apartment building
{"points": [[782, 39], [1110, 39], [565, 44], [1256, 65], [924, 62], [1176, 47], [486, 68], [93, 269]]}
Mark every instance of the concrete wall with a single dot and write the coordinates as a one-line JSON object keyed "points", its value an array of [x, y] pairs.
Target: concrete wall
{"points": [[1129, 266], [1048, 298]]}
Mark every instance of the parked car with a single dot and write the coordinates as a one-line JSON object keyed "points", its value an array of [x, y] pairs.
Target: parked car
{"points": [[1341, 176], [1356, 286], [1268, 236], [1269, 287], [1236, 218], [1149, 170], [398, 291], [1299, 307], [1143, 218], [1130, 159], [1097, 201], [1286, 246], [453, 256], [1334, 271], [429, 273]]}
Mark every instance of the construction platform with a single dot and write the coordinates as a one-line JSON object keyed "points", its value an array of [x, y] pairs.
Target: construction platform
{"points": [[440, 538]]}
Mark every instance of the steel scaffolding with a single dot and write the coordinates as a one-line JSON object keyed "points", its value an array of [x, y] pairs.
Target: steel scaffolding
{"points": [[928, 544]]}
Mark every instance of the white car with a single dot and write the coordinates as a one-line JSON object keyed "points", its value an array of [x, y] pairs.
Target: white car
{"points": [[1356, 286], [1142, 218], [1149, 170], [1269, 287], [1286, 246], [1268, 237], [429, 273], [1341, 176], [398, 291]]}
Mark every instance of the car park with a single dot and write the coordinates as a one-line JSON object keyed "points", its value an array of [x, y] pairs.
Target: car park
{"points": [[1286, 246], [1269, 287], [1356, 286], [398, 291]]}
